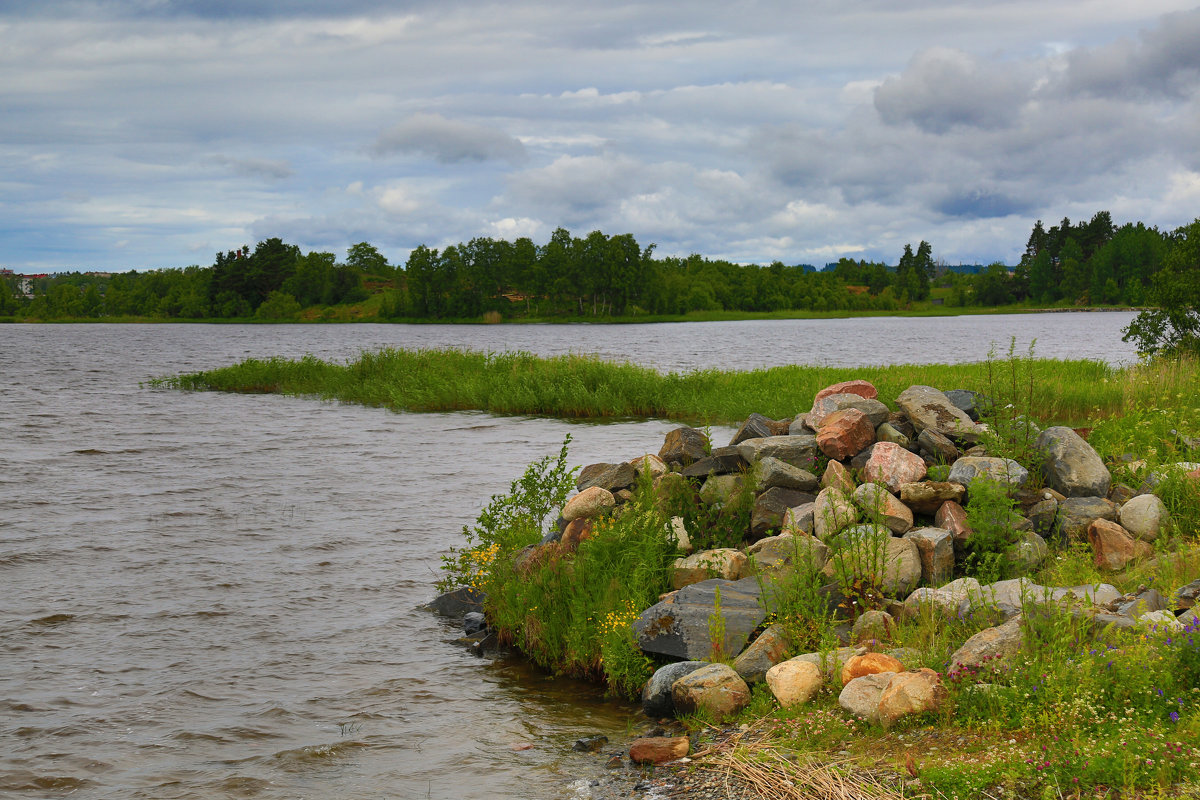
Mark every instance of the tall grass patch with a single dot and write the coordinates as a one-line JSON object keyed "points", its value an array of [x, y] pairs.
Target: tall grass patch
{"points": [[579, 386]]}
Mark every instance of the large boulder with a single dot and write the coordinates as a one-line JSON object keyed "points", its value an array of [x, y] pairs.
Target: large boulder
{"points": [[916, 692], [772, 473], [1113, 547], [887, 432], [952, 517], [458, 602], [861, 696], [929, 409], [937, 446], [607, 476], [936, 548], [1004, 471], [649, 463], [892, 465], [966, 401], [799, 451], [724, 562], [681, 625], [721, 461], [715, 689], [1071, 466], [838, 477], [799, 519], [756, 426], [822, 409], [776, 556], [794, 682], [926, 497], [771, 506], [869, 664], [845, 433], [879, 505], [954, 600], [1027, 553], [683, 446], [720, 488], [590, 502], [871, 552], [1144, 517], [859, 387], [1075, 514], [832, 513], [656, 694], [1001, 642], [763, 653]]}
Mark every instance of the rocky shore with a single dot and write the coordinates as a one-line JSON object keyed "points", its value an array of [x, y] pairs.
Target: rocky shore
{"points": [[881, 507]]}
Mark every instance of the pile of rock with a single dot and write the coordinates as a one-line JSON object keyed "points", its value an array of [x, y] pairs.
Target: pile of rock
{"points": [[916, 523], [912, 522]]}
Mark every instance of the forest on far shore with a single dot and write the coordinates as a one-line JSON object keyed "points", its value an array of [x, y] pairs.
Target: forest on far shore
{"points": [[1093, 263]]}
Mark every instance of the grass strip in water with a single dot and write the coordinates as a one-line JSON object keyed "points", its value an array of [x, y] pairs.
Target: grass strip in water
{"points": [[587, 387]]}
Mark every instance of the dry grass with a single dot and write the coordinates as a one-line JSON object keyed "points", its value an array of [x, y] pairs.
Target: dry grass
{"points": [[747, 761]]}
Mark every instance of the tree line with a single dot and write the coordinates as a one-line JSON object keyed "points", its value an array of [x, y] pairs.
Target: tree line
{"points": [[601, 276]]}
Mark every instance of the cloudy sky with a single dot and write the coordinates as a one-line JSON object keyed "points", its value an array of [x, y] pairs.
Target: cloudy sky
{"points": [[153, 133]]}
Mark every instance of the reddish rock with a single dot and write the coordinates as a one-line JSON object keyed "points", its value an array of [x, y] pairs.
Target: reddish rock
{"points": [[915, 692], [658, 749], [577, 530], [845, 433], [869, 664], [860, 388], [953, 517], [588, 503], [837, 476], [892, 465], [1113, 547]]}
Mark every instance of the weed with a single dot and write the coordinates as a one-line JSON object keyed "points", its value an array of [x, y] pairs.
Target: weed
{"points": [[859, 559], [716, 629], [992, 521], [794, 599]]}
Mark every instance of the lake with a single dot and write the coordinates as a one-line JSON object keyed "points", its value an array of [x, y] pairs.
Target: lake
{"points": [[213, 595]]}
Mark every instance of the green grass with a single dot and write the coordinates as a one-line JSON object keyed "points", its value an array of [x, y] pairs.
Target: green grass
{"points": [[1076, 392]]}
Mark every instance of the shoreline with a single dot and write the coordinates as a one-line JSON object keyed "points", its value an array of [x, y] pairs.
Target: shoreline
{"points": [[714, 316]]}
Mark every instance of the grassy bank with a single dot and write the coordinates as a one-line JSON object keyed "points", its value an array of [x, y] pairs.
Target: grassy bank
{"points": [[1070, 392]]}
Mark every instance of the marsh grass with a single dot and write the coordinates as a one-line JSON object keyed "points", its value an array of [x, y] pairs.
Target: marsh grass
{"points": [[579, 386]]}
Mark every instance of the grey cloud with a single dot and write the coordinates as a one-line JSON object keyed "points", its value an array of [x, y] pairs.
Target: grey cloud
{"points": [[941, 89], [981, 204], [448, 141], [256, 167], [1164, 61]]}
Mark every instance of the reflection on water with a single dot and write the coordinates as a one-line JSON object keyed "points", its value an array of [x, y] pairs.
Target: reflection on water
{"points": [[215, 595]]}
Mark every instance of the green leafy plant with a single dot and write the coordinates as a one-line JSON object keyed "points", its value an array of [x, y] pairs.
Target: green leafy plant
{"points": [[992, 521], [510, 521], [859, 556]]}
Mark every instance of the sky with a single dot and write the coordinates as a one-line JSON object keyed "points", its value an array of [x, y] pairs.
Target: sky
{"points": [[155, 133]]}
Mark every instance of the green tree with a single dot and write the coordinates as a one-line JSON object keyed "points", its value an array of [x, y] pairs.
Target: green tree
{"points": [[1174, 326], [367, 260], [278, 305]]}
